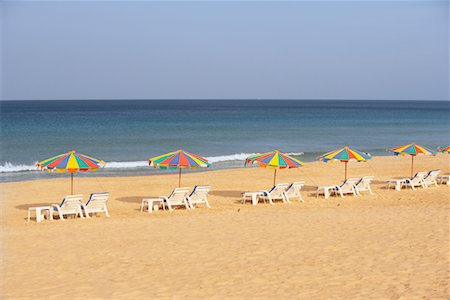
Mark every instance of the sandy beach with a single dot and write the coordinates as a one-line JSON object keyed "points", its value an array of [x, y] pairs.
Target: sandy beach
{"points": [[392, 245]]}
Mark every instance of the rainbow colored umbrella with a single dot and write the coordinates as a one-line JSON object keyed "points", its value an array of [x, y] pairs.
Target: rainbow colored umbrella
{"points": [[71, 162], [345, 155], [412, 150], [179, 159], [445, 148], [274, 160]]}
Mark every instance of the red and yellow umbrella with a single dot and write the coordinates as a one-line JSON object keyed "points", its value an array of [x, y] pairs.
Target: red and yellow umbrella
{"points": [[412, 150], [179, 159], [71, 162], [274, 160]]}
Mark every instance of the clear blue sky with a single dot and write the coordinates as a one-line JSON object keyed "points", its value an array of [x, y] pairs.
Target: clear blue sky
{"points": [[225, 49]]}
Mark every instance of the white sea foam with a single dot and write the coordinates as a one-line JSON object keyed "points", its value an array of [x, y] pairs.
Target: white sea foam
{"points": [[222, 158], [126, 164], [8, 167]]}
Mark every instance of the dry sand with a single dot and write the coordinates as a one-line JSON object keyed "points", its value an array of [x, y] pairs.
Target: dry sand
{"points": [[393, 245]]}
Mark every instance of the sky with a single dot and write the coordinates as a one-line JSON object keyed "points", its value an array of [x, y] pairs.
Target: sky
{"points": [[387, 50]]}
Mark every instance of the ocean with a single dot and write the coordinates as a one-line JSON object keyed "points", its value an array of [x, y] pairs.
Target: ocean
{"points": [[126, 133]]}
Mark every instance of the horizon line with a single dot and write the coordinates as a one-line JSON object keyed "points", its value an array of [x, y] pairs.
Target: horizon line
{"points": [[221, 99]]}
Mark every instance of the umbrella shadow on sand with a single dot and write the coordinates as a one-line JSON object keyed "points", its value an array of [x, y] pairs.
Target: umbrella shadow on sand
{"points": [[135, 199], [26, 206], [236, 195]]}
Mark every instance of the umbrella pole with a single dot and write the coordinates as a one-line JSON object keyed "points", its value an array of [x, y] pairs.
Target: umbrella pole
{"points": [[274, 177], [179, 178], [345, 170], [71, 183], [412, 166]]}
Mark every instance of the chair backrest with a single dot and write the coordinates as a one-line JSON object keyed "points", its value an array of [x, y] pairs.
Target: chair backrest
{"points": [[419, 176], [294, 188], [278, 190], [97, 199], [71, 202], [432, 175], [364, 182], [200, 193], [178, 195], [349, 184]]}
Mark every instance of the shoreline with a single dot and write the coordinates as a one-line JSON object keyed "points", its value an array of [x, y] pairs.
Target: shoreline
{"points": [[128, 172]]}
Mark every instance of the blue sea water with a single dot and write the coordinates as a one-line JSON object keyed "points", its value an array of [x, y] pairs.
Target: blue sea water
{"points": [[126, 133]]}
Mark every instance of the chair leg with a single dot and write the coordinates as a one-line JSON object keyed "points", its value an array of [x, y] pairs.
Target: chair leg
{"points": [[106, 211]]}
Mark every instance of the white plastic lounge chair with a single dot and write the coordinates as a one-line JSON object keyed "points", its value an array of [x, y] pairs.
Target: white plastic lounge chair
{"points": [[416, 181], [199, 196], [97, 203], [70, 205], [276, 193], [363, 185], [347, 187], [293, 191], [177, 198], [431, 178]]}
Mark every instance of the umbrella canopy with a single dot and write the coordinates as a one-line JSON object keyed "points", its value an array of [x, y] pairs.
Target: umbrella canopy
{"points": [[71, 162], [412, 150], [179, 159], [445, 148], [274, 160], [345, 155]]}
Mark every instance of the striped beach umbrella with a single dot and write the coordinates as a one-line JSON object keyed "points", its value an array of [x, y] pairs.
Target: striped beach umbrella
{"points": [[412, 150], [179, 159], [445, 148], [71, 162], [345, 155], [274, 160]]}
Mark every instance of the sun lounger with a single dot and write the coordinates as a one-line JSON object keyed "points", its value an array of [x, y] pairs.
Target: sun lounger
{"points": [[347, 187], [416, 181], [276, 193], [363, 185], [293, 191], [70, 205], [199, 196], [97, 203], [431, 178], [177, 198]]}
